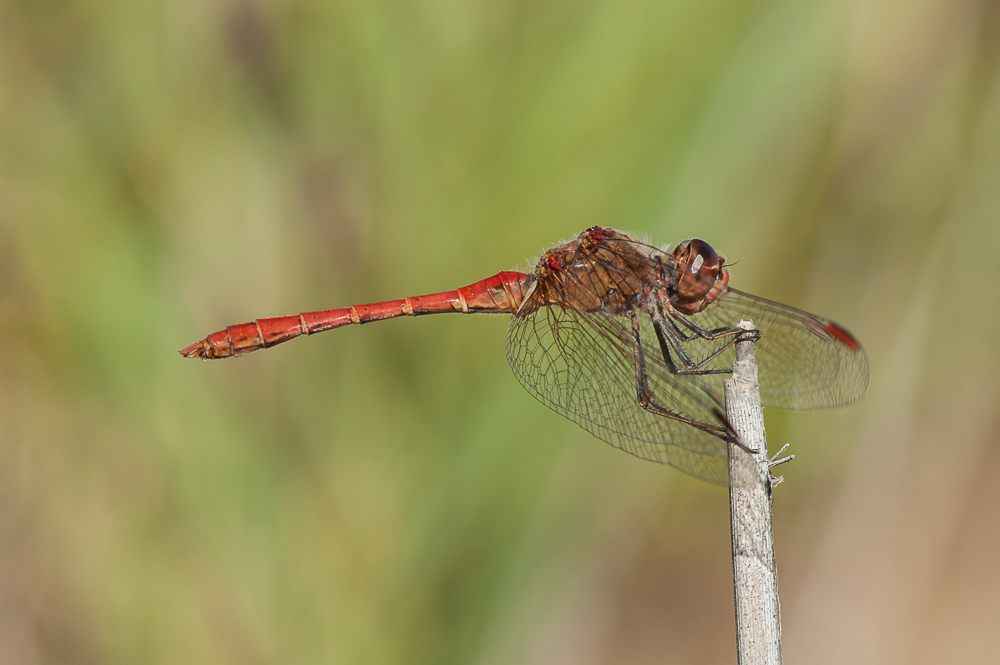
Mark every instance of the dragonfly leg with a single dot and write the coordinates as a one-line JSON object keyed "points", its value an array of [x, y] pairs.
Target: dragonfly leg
{"points": [[669, 337], [663, 307], [691, 368], [740, 334], [648, 402]]}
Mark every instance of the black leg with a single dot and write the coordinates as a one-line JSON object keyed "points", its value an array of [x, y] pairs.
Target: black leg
{"points": [[648, 402], [715, 333], [668, 340]]}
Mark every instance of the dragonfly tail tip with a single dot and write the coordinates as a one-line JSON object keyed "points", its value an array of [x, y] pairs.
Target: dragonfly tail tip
{"points": [[196, 350]]}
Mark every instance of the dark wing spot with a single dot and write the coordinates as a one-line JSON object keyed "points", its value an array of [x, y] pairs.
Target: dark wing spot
{"points": [[846, 338]]}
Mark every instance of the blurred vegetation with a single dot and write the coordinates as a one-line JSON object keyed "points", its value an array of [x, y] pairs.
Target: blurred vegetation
{"points": [[389, 494]]}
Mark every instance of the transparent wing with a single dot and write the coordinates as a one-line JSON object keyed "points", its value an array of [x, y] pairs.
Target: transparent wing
{"points": [[582, 365], [804, 361]]}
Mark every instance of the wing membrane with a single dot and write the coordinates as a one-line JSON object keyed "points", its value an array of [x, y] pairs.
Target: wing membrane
{"points": [[804, 361], [582, 365]]}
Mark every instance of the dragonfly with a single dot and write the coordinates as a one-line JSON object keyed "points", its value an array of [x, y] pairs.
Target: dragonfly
{"points": [[629, 341]]}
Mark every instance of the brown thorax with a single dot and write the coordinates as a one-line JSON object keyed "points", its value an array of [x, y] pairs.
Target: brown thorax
{"points": [[604, 269]]}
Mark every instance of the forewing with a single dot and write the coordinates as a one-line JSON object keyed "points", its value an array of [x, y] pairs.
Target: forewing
{"points": [[582, 366], [804, 361]]}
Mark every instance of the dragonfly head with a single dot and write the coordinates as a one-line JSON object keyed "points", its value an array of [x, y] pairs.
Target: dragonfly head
{"points": [[699, 276]]}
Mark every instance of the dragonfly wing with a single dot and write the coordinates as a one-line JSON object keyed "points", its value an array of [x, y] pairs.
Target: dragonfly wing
{"points": [[804, 361], [582, 365]]}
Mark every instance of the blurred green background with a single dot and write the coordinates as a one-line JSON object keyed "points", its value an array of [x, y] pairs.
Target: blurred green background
{"points": [[389, 494]]}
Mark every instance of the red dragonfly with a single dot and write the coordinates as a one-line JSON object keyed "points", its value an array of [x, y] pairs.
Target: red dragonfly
{"points": [[629, 341]]}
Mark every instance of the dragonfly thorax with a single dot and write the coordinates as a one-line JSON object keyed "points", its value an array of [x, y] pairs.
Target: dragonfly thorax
{"points": [[599, 269]]}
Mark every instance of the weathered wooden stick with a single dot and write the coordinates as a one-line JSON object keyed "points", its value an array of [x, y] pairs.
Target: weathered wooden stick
{"points": [[755, 576]]}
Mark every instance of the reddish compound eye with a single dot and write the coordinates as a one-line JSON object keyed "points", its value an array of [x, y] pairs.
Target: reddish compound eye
{"points": [[697, 269]]}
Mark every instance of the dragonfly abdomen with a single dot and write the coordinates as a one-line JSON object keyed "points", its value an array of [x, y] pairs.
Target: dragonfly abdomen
{"points": [[501, 293]]}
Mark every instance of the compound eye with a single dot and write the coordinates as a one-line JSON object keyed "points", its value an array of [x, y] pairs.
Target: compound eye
{"points": [[698, 269]]}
